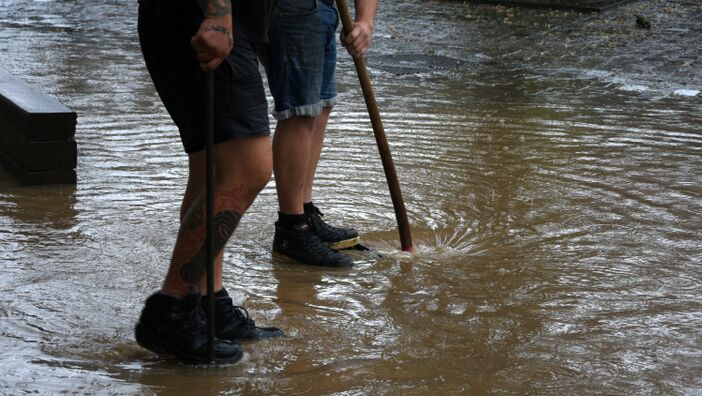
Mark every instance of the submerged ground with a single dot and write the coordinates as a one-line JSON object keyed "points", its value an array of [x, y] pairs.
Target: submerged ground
{"points": [[553, 184]]}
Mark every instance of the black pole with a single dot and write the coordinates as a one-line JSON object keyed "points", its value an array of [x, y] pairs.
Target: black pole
{"points": [[209, 255]]}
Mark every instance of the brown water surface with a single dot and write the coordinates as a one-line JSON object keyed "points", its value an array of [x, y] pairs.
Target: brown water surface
{"points": [[553, 185]]}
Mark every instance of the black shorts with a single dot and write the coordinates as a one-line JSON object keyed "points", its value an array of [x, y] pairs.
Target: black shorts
{"points": [[240, 106]]}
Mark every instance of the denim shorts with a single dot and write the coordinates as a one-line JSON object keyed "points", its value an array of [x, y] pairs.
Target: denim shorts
{"points": [[240, 105], [300, 57]]}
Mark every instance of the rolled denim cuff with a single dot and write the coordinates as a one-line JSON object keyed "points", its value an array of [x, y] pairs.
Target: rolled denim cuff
{"points": [[311, 110]]}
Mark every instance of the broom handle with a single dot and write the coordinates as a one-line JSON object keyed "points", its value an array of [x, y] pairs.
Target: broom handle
{"points": [[381, 141]]}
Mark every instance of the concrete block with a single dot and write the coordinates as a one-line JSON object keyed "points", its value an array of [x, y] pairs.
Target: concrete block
{"points": [[32, 114], [36, 134], [58, 176], [39, 155]]}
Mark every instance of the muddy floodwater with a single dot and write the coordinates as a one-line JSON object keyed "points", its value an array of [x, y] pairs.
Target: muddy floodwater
{"points": [[552, 181]]}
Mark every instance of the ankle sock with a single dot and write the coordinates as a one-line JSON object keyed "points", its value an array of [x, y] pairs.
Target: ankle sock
{"points": [[288, 221], [308, 207]]}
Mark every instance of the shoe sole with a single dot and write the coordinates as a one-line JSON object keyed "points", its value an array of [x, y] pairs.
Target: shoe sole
{"points": [[265, 334], [290, 260], [163, 349], [219, 366], [344, 244]]}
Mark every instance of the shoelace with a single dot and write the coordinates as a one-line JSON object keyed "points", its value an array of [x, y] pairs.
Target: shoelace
{"points": [[240, 313], [191, 320], [327, 230], [317, 211], [194, 315], [316, 246], [197, 319]]}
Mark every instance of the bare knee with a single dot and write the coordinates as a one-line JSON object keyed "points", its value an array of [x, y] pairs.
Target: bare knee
{"points": [[245, 182], [260, 177], [244, 164]]}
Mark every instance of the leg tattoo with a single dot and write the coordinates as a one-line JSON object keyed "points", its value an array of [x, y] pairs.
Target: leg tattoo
{"points": [[224, 224], [188, 262]]}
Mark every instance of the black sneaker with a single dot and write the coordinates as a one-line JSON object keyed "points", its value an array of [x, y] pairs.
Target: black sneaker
{"points": [[300, 245], [335, 237], [177, 327], [232, 322]]}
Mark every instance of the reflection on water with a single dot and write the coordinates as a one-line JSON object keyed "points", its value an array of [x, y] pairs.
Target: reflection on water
{"points": [[554, 196]]}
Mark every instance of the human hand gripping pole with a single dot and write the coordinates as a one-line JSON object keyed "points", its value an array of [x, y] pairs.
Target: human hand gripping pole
{"points": [[381, 141]]}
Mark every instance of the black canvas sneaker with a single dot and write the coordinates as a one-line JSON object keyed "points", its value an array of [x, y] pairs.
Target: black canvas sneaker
{"points": [[232, 322], [177, 327], [335, 237], [299, 245]]}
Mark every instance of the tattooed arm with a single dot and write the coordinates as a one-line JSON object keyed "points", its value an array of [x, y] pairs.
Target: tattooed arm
{"points": [[214, 40]]}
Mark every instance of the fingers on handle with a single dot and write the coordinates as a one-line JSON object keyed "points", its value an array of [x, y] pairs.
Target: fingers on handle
{"points": [[212, 64]]}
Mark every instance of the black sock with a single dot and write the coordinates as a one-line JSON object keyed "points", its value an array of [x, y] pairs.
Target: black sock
{"points": [[308, 207], [220, 293], [288, 221]]}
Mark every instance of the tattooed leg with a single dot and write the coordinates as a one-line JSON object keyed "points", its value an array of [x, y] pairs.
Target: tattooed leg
{"points": [[188, 263], [224, 224]]}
